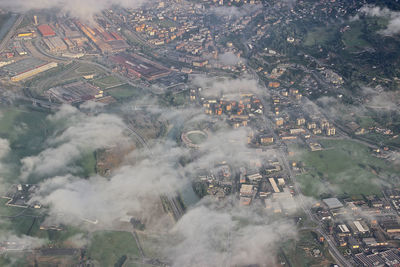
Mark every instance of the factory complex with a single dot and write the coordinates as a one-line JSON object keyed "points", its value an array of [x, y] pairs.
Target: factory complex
{"points": [[75, 92], [27, 68], [138, 66]]}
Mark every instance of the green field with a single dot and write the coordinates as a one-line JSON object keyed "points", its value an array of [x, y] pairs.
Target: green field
{"points": [[24, 221], [7, 210], [319, 36], [26, 130], [108, 246], [107, 82], [344, 167], [125, 91], [197, 138], [86, 69], [13, 260], [88, 164], [353, 38]]}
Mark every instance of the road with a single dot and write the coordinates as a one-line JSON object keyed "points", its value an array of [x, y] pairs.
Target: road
{"points": [[332, 246], [339, 258], [10, 33]]}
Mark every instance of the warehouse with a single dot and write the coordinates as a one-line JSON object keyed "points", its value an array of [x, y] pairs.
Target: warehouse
{"points": [[27, 68], [75, 92], [138, 66], [55, 44], [46, 31], [332, 203]]}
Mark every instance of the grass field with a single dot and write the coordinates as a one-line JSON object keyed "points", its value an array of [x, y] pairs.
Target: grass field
{"points": [[108, 246], [125, 91], [344, 167], [24, 221], [26, 130], [319, 36], [86, 69], [11, 261], [107, 82], [88, 164], [197, 138], [9, 211], [353, 39]]}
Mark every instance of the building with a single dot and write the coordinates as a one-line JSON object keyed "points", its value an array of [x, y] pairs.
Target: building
{"points": [[300, 121], [75, 92], [266, 139], [274, 185], [25, 35], [391, 227], [360, 227], [245, 201], [278, 121], [27, 68], [343, 230], [369, 260], [330, 131], [46, 31], [246, 190], [353, 243], [332, 203], [297, 131], [138, 66], [55, 44]]}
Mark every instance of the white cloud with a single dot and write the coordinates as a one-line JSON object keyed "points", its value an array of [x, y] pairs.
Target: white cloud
{"points": [[83, 9], [83, 133], [393, 17], [224, 235]]}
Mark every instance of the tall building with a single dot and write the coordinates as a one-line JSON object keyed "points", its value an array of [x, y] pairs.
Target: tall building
{"points": [[35, 19], [300, 121], [330, 131], [279, 121]]}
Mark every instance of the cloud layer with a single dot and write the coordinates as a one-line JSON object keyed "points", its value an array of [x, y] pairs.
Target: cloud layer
{"points": [[84, 9]]}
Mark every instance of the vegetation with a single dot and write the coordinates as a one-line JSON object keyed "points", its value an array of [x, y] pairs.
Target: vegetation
{"points": [[344, 167], [200, 189], [107, 247], [125, 91], [107, 82], [301, 252], [26, 130]]}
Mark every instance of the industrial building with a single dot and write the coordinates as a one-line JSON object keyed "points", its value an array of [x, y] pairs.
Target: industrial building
{"points": [[332, 203], [138, 66], [46, 31], [55, 44], [105, 41], [274, 185], [27, 68], [246, 190], [75, 92]]}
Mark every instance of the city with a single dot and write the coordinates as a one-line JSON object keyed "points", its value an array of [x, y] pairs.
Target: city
{"points": [[200, 133]]}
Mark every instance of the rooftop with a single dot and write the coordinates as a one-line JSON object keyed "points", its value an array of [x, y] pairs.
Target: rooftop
{"points": [[332, 203]]}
